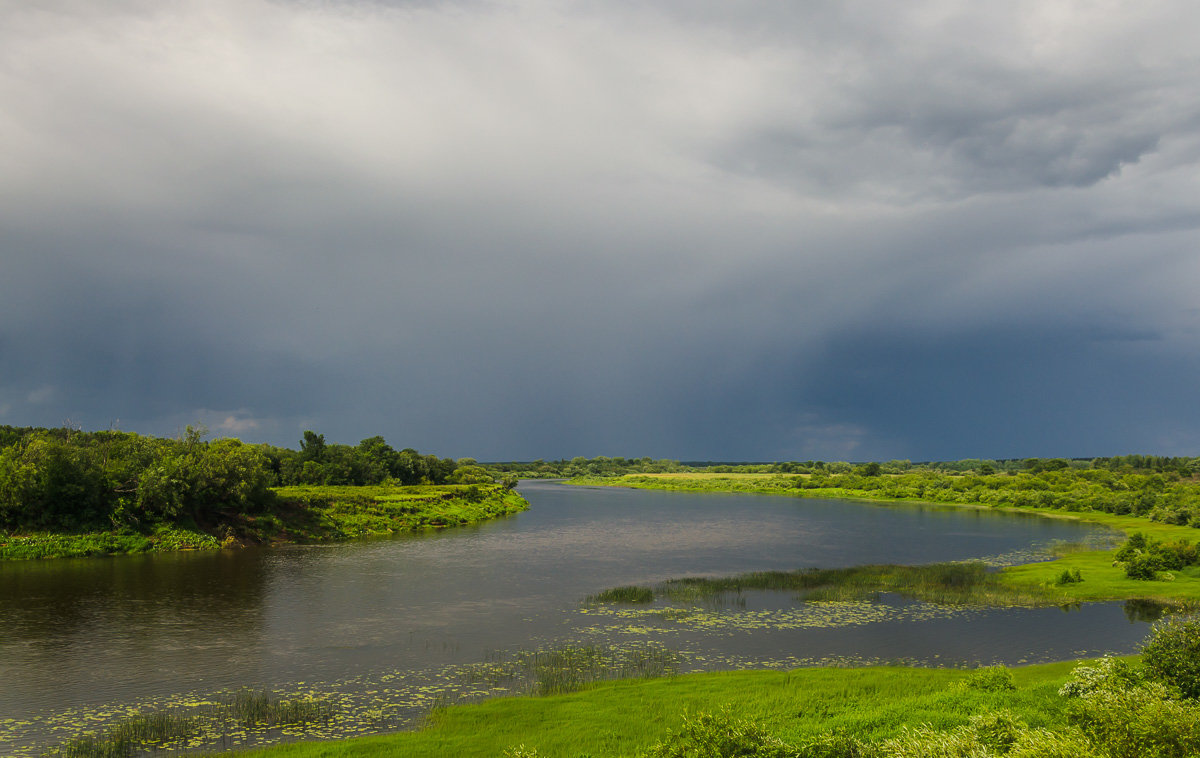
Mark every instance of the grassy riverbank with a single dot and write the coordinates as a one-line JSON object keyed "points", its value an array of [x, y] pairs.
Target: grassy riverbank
{"points": [[627, 717], [302, 514], [1103, 579]]}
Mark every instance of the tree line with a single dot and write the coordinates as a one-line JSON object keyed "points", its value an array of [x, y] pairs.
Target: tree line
{"points": [[67, 479], [618, 466]]}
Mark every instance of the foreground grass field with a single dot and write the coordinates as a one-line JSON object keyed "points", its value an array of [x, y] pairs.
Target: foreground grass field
{"points": [[1103, 579], [297, 515], [625, 718]]}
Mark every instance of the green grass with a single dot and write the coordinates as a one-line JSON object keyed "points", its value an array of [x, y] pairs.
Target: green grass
{"points": [[299, 515], [624, 718]]}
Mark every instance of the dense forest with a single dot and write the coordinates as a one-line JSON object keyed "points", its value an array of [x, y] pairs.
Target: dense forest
{"points": [[66, 479]]}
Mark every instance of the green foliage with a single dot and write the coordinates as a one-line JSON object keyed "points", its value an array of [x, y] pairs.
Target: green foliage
{"points": [[1069, 576], [836, 744], [1105, 674], [1076, 487], [109, 491], [997, 733], [1143, 720], [991, 679], [719, 735], [373, 461], [1144, 557], [1143, 567], [1172, 653]]}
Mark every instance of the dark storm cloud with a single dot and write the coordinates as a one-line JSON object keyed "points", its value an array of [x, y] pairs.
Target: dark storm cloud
{"points": [[529, 229]]}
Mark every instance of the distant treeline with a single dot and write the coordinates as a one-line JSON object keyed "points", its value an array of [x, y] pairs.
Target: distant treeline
{"points": [[65, 479], [604, 466]]}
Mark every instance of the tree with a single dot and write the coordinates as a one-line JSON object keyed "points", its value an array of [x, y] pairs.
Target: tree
{"points": [[312, 447]]}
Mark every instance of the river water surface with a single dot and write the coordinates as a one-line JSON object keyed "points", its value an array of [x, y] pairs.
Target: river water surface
{"points": [[110, 634]]}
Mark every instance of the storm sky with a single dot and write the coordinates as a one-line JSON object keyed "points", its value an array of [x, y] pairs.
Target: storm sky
{"points": [[696, 229]]}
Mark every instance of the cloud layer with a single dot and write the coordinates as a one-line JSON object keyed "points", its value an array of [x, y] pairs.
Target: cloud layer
{"points": [[540, 229]]}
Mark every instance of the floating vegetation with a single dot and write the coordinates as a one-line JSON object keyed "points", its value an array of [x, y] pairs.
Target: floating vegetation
{"points": [[568, 668], [199, 724], [824, 615], [335, 710]]}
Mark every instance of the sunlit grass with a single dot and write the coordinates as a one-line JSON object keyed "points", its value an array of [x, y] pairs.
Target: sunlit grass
{"points": [[624, 718]]}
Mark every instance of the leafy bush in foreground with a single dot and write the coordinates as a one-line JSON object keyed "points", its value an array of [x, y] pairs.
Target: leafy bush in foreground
{"points": [[1173, 653]]}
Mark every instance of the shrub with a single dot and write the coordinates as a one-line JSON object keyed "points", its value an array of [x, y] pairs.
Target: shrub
{"points": [[991, 679], [1069, 577], [836, 744], [719, 735], [1108, 673], [1138, 721], [1142, 566], [1173, 653]]}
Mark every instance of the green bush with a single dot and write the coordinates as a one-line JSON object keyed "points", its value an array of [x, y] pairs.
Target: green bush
{"points": [[1108, 673], [719, 735], [1143, 566], [1173, 653], [1069, 577], [836, 744], [1137, 722], [991, 679]]}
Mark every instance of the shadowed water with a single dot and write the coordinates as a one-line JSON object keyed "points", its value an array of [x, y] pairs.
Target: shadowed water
{"points": [[81, 633]]}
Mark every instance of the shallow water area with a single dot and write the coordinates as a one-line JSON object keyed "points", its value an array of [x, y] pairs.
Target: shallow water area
{"points": [[393, 626]]}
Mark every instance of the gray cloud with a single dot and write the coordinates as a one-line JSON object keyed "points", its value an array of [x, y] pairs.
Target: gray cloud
{"points": [[522, 229]]}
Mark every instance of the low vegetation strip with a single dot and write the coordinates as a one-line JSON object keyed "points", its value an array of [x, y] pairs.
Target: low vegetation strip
{"points": [[955, 583]]}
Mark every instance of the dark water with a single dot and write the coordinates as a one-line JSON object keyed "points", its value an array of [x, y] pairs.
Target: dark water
{"points": [[77, 633]]}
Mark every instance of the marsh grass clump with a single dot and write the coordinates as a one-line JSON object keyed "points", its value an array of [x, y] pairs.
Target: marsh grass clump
{"points": [[567, 669], [944, 583], [141, 733], [629, 594], [250, 708], [571, 667], [208, 724]]}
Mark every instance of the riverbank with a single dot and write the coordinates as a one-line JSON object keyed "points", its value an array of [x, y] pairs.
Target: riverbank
{"points": [[626, 718], [296, 515], [1103, 578]]}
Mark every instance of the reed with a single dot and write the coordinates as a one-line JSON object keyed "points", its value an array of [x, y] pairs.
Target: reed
{"points": [[210, 724], [628, 594]]}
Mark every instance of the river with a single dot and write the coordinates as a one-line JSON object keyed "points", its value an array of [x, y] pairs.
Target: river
{"points": [[103, 636]]}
